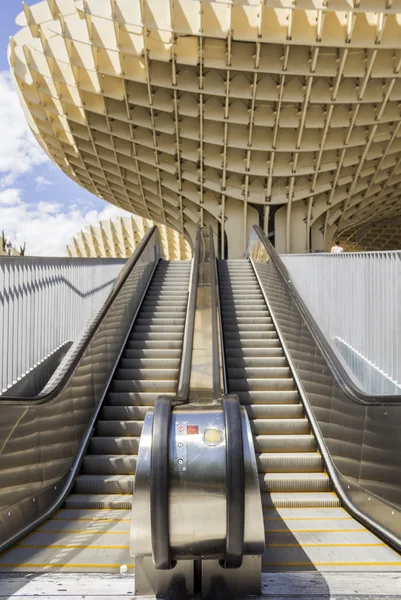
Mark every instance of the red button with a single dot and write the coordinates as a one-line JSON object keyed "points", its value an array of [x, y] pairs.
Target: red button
{"points": [[180, 428], [191, 429]]}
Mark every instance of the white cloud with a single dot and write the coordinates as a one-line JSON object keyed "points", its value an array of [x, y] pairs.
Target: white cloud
{"points": [[42, 183], [19, 151], [46, 227]]}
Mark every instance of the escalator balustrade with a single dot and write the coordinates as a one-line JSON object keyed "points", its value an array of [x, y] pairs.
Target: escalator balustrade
{"points": [[91, 531]]}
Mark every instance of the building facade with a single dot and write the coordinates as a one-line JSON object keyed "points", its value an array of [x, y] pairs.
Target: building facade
{"points": [[119, 237], [285, 114]]}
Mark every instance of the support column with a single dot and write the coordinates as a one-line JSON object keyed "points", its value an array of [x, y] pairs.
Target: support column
{"points": [[297, 229], [234, 226]]}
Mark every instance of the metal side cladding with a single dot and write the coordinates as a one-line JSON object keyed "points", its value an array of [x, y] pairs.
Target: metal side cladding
{"points": [[306, 526]]}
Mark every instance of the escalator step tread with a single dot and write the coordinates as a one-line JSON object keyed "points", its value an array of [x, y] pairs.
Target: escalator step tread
{"points": [[92, 501]]}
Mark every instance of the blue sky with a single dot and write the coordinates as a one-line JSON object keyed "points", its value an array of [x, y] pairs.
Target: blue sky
{"points": [[39, 205]]}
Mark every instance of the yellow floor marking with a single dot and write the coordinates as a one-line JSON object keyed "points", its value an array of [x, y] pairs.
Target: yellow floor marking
{"points": [[308, 519], [309, 507], [333, 564], [82, 531], [313, 530], [99, 509], [68, 546], [64, 565], [323, 545], [101, 519]]}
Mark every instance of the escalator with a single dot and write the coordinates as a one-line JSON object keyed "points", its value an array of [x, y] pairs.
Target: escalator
{"points": [[306, 527], [90, 533], [167, 332]]}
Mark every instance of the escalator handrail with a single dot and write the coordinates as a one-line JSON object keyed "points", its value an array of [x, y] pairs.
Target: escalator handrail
{"points": [[221, 335], [62, 384], [339, 372], [159, 484], [215, 316], [187, 341], [235, 483]]}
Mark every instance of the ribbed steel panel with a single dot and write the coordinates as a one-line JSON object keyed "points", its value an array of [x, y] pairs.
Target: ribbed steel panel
{"points": [[45, 302], [355, 299]]}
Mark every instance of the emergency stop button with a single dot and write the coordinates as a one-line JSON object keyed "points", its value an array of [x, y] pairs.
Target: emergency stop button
{"points": [[213, 437]]}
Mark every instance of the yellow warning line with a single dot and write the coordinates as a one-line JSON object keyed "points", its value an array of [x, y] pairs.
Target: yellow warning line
{"points": [[64, 565], [68, 546], [277, 509], [83, 531], [94, 520], [332, 564], [100, 509], [313, 530], [323, 545], [308, 519]]}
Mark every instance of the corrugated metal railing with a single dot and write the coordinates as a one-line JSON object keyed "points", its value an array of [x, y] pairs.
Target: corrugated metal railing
{"points": [[356, 300], [43, 303]]}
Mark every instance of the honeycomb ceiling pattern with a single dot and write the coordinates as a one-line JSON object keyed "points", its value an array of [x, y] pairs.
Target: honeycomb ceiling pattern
{"points": [[119, 237], [383, 234], [173, 109]]}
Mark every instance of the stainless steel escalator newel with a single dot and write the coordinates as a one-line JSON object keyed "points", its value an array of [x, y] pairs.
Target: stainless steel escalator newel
{"points": [[197, 470]]}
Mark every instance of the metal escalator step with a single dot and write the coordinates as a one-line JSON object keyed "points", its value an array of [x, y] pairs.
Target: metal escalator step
{"points": [[120, 428], [162, 328], [153, 344], [109, 464], [268, 397], [239, 304], [236, 362], [275, 411], [149, 363], [169, 286], [254, 335], [131, 399], [161, 386], [285, 443], [287, 462], [248, 327], [272, 349], [152, 336], [279, 383], [238, 289], [294, 482], [146, 354], [258, 373], [151, 374], [249, 295], [164, 303], [301, 500], [246, 316], [181, 276], [122, 413], [280, 426], [245, 344], [92, 501], [157, 295], [173, 320], [238, 319], [163, 314], [126, 445], [104, 484]]}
